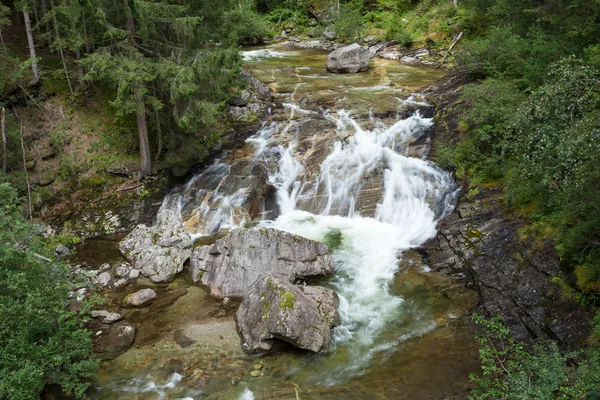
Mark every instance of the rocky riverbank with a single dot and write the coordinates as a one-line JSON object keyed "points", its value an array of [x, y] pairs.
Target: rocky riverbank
{"points": [[482, 243]]}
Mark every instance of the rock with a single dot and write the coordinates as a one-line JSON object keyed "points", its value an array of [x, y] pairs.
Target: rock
{"points": [[122, 271], [254, 373], [241, 100], [167, 299], [182, 340], [114, 340], [141, 298], [62, 250], [313, 32], [159, 251], [329, 34], [119, 283], [349, 59], [512, 275], [232, 264], [105, 279], [106, 317], [276, 309], [105, 267], [134, 274], [313, 22], [80, 295]]}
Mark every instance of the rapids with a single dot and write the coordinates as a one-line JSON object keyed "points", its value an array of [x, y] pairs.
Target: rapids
{"points": [[346, 156]]}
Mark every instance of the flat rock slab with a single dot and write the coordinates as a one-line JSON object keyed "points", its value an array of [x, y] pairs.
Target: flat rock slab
{"points": [[106, 317], [160, 251], [232, 264], [276, 309]]}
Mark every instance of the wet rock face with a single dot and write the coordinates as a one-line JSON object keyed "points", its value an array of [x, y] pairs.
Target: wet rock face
{"points": [[512, 275], [349, 59], [273, 309], [232, 264], [158, 251]]}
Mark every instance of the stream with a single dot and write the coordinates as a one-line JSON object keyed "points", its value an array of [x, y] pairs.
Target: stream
{"points": [[343, 161]]}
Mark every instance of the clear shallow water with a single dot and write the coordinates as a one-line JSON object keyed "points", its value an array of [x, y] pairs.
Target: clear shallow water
{"points": [[346, 154]]}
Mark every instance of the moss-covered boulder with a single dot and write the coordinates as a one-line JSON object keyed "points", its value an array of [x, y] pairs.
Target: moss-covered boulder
{"points": [[274, 309]]}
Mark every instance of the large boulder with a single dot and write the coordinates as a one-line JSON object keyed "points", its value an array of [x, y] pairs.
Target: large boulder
{"points": [[232, 264], [349, 59], [158, 251], [273, 308], [111, 340]]}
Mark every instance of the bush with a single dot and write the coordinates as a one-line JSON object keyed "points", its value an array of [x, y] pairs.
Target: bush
{"points": [[512, 372], [41, 341]]}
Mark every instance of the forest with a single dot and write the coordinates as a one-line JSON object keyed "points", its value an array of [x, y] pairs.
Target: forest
{"points": [[145, 84]]}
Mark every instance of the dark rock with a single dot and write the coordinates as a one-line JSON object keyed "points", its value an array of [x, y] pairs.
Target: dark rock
{"points": [[239, 101], [233, 263], [141, 298], [182, 340], [349, 59], [114, 340], [513, 276], [274, 309], [160, 251], [167, 299]]}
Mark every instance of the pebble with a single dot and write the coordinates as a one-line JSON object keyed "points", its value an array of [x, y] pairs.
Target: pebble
{"points": [[255, 373], [258, 366], [105, 267]]}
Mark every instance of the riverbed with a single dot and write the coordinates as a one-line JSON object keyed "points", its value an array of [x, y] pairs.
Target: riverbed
{"points": [[347, 158]]}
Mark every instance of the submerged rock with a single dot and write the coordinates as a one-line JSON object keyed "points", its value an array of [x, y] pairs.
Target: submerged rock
{"points": [[273, 309], [232, 264], [160, 251], [114, 340], [349, 59], [141, 298]]}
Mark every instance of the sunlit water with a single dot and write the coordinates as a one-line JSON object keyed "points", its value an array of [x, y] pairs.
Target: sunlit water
{"points": [[343, 176]]}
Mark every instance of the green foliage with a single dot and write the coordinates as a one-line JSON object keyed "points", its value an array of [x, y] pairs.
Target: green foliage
{"points": [[348, 23], [41, 341], [511, 372]]}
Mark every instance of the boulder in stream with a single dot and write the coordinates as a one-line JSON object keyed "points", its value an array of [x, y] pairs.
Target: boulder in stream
{"points": [[273, 309], [141, 298], [112, 340], [349, 59], [160, 251], [232, 264]]}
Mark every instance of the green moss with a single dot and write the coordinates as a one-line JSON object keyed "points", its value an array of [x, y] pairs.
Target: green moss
{"points": [[287, 300]]}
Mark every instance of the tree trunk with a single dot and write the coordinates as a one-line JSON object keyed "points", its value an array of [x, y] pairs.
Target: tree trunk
{"points": [[3, 45], [159, 136], [47, 24], [34, 66], [26, 174], [3, 127], [145, 162], [60, 51], [140, 106]]}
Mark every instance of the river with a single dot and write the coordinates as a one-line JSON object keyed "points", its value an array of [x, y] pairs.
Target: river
{"points": [[347, 158]]}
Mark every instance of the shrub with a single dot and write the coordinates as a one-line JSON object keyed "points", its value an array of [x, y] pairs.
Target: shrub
{"points": [[41, 341]]}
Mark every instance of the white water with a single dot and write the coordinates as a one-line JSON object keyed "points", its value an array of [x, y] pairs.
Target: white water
{"points": [[415, 195]]}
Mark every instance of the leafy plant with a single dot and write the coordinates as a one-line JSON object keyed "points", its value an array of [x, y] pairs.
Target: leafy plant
{"points": [[41, 341]]}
